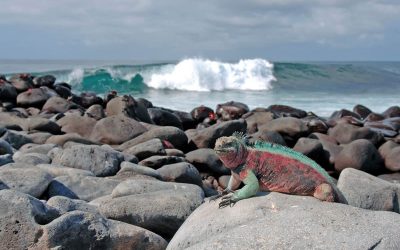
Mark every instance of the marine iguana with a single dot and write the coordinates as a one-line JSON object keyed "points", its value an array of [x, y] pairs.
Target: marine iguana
{"points": [[265, 166]]}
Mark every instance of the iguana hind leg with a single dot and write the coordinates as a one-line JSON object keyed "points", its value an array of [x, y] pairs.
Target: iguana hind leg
{"points": [[324, 192]]}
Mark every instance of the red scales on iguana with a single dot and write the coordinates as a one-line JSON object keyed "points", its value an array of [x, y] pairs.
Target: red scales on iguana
{"points": [[266, 166]]}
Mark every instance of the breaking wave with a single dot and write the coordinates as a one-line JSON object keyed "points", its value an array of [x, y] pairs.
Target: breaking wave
{"points": [[207, 75]]}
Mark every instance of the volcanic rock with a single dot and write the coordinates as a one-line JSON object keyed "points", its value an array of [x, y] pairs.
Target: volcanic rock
{"points": [[116, 129], [206, 160], [360, 154], [100, 161], [291, 219], [231, 110], [205, 138], [369, 192]]}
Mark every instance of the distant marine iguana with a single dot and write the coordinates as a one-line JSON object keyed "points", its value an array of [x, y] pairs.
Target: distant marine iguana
{"points": [[266, 166]]}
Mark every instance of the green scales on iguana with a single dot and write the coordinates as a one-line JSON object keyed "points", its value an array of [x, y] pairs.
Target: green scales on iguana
{"points": [[271, 167]]}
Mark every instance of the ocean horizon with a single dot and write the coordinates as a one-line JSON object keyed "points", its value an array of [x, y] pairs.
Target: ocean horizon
{"points": [[320, 87]]}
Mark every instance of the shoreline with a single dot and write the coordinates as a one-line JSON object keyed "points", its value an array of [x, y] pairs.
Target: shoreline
{"points": [[120, 169], [319, 88]]}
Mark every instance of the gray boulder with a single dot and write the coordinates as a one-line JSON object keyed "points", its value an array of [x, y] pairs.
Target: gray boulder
{"points": [[64, 205], [129, 168], [100, 161], [105, 130], [5, 148], [7, 91], [231, 110], [16, 139], [21, 82], [174, 152], [279, 221], [95, 111], [268, 136], [5, 159], [366, 191], [85, 188], [157, 206], [20, 218], [287, 126], [346, 133], [10, 121], [58, 170], [386, 148], [28, 180], [56, 105], [31, 158], [330, 148], [128, 106], [180, 172], [360, 154], [362, 111], [393, 177], [46, 80], [256, 118], [157, 161], [146, 149], [164, 118], [312, 148], [39, 137], [173, 135], [206, 160], [33, 97], [206, 137], [37, 148], [40, 124], [81, 125], [392, 160], [287, 111], [62, 139], [82, 230]]}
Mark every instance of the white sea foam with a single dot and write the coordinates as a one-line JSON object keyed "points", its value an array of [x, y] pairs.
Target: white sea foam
{"points": [[75, 77], [207, 75]]}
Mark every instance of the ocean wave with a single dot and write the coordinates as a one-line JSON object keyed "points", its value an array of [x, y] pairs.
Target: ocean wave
{"points": [[248, 74], [75, 77], [207, 75]]}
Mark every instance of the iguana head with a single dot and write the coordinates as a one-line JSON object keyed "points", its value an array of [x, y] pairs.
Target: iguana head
{"points": [[231, 150]]}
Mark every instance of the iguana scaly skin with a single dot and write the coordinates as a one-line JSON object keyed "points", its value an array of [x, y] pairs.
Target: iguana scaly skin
{"points": [[271, 167]]}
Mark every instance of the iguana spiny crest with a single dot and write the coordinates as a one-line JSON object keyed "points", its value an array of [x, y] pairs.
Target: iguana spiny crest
{"points": [[265, 166]]}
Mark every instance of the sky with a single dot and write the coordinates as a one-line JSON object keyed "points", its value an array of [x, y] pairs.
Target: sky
{"points": [[285, 30]]}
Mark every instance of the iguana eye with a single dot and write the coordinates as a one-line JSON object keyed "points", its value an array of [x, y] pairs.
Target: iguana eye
{"points": [[227, 145]]}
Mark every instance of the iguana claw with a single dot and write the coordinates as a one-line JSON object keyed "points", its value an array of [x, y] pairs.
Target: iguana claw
{"points": [[227, 201], [215, 197]]}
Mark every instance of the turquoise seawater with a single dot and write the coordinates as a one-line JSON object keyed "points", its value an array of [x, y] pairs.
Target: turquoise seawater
{"points": [[321, 87]]}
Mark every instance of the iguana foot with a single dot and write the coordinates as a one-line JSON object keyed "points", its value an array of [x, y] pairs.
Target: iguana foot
{"points": [[216, 197], [227, 200]]}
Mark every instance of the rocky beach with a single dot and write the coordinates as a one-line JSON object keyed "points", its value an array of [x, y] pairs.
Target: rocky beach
{"points": [[84, 171]]}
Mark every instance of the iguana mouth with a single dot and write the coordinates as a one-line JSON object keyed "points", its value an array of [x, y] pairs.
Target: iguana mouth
{"points": [[222, 150]]}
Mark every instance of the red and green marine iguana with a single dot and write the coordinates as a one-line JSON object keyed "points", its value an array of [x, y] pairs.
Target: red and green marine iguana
{"points": [[266, 166]]}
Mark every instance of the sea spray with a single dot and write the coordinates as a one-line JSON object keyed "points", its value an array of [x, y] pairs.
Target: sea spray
{"points": [[75, 77], [207, 75]]}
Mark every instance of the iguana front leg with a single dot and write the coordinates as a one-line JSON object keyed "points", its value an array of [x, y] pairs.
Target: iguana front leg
{"points": [[233, 184], [250, 189]]}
